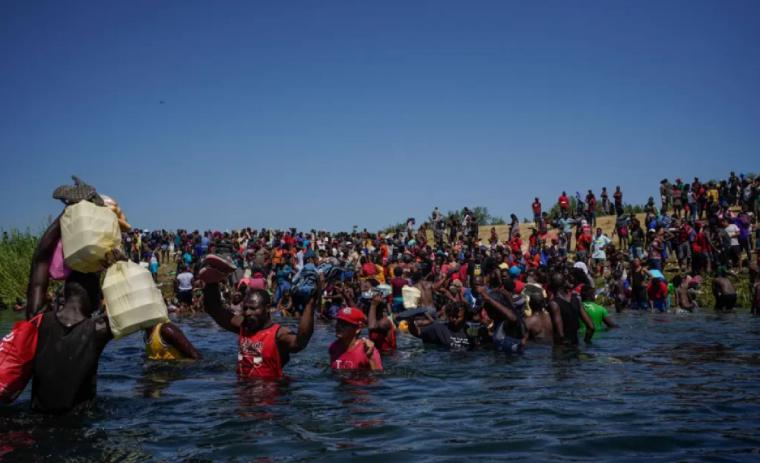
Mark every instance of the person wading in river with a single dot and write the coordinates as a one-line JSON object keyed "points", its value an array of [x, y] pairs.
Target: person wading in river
{"points": [[264, 346], [70, 339], [349, 351], [566, 311]]}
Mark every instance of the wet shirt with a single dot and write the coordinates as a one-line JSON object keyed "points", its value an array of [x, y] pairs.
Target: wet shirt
{"points": [[258, 355], [354, 358], [66, 364], [441, 334], [571, 314], [597, 313]]}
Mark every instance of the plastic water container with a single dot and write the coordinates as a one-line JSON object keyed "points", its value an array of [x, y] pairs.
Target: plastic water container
{"points": [[411, 296], [88, 233], [133, 301]]}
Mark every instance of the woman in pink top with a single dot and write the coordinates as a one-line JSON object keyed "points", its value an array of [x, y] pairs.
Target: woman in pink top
{"points": [[349, 351]]}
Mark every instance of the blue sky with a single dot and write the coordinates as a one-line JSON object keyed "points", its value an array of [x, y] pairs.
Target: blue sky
{"points": [[332, 114]]}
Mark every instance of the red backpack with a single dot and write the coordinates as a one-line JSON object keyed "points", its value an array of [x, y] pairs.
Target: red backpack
{"points": [[17, 351]]}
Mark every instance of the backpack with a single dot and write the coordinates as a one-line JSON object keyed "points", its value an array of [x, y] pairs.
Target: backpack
{"points": [[17, 351]]}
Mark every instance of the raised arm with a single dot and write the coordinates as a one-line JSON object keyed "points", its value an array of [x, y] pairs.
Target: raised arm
{"points": [[212, 304], [174, 336], [293, 343], [38, 274], [494, 307], [373, 324]]}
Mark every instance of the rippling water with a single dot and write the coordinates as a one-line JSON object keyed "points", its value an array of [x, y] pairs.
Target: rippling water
{"points": [[663, 387]]}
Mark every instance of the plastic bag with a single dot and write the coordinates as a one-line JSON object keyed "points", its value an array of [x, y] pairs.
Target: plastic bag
{"points": [[58, 269], [17, 351]]}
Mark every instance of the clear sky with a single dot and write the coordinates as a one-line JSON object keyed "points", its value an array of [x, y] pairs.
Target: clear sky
{"points": [[327, 114]]}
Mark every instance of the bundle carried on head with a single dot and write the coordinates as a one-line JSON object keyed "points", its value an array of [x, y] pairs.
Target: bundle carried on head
{"points": [[91, 228]]}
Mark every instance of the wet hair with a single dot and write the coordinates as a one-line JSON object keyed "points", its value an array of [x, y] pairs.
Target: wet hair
{"points": [[265, 298], [557, 281], [452, 309], [580, 277]]}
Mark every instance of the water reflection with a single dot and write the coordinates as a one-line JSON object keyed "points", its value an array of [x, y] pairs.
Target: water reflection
{"points": [[660, 388]]}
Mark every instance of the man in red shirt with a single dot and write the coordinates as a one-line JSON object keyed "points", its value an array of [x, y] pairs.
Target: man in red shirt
{"points": [[564, 204], [349, 351], [582, 246], [515, 244], [536, 212], [264, 347]]}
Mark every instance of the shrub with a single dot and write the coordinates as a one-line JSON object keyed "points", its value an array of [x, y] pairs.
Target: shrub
{"points": [[16, 250]]}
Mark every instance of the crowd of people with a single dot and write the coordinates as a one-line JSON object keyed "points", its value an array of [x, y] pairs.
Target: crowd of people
{"points": [[439, 282]]}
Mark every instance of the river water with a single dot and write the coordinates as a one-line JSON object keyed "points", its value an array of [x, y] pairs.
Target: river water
{"points": [[661, 388]]}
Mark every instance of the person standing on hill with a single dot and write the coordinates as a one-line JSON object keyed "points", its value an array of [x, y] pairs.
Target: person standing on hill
{"points": [[618, 198], [536, 206], [665, 195], [591, 208], [605, 201], [564, 204], [599, 251], [453, 229]]}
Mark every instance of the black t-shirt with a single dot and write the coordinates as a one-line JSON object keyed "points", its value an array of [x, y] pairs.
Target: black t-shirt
{"points": [[441, 334], [66, 364]]}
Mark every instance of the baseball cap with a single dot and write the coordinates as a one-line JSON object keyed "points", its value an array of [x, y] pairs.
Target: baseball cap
{"points": [[352, 315]]}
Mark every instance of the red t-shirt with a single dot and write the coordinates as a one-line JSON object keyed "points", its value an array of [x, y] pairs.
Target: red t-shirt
{"points": [[396, 284], [463, 269], [258, 356], [384, 342], [515, 244], [584, 241], [657, 290], [536, 208], [353, 359], [369, 269]]}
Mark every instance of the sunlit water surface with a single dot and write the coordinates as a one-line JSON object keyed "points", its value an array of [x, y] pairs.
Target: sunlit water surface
{"points": [[660, 388]]}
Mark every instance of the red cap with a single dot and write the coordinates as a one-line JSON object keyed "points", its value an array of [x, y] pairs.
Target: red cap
{"points": [[352, 316]]}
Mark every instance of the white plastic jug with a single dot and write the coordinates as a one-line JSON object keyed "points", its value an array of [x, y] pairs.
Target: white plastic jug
{"points": [[411, 296], [133, 301], [88, 232]]}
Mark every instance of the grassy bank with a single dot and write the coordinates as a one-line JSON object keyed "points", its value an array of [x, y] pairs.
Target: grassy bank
{"points": [[15, 258]]}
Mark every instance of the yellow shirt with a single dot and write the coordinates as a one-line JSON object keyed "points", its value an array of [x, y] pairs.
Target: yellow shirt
{"points": [[157, 349], [380, 275], [713, 194]]}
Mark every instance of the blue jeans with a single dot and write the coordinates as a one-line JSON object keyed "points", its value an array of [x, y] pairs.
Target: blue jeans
{"points": [[282, 288]]}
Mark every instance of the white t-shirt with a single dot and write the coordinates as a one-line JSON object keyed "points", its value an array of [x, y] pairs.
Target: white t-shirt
{"points": [[733, 233], [185, 280], [299, 261]]}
